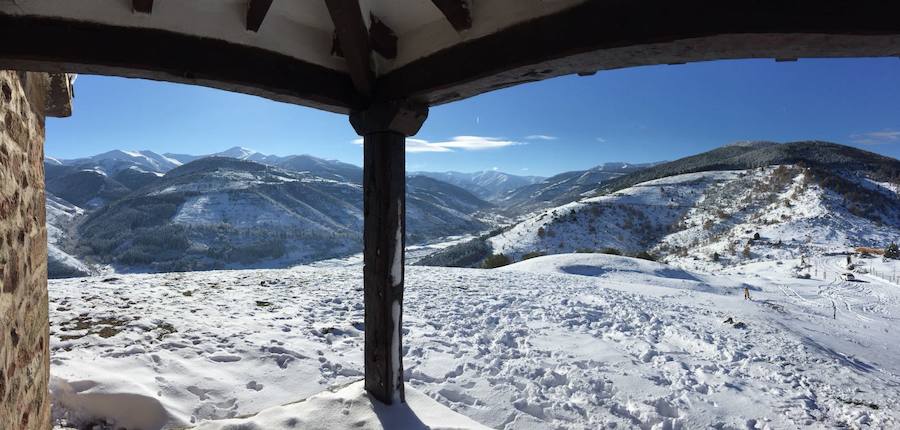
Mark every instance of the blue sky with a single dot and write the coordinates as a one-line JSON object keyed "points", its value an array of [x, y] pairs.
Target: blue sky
{"points": [[568, 123]]}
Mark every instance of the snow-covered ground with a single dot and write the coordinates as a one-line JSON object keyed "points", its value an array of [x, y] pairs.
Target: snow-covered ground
{"points": [[567, 341]]}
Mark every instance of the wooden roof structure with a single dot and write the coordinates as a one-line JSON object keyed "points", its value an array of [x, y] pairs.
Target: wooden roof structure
{"points": [[384, 62], [339, 55]]}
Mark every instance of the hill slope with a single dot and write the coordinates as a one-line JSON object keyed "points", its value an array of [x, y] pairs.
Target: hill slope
{"points": [[815, 154], [219, 212], [833, 198], [62, 216], [563, 188]]}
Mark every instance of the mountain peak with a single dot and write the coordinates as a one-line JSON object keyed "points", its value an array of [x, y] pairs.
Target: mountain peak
{"points": [[752, 143], [238, 152]]}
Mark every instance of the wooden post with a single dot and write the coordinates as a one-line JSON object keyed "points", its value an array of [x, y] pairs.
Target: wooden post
{"points": [[384, 128]]}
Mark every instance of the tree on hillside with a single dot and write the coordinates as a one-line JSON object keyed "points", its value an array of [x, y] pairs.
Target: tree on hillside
{"points": [[495, 260], [892, 251]]}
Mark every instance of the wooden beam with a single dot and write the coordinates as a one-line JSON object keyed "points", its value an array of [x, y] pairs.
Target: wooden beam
{"points": [[456, 12], [142, 6], [646, 32], [382, 38], [256, 13], [353, 38], [59, 45]]}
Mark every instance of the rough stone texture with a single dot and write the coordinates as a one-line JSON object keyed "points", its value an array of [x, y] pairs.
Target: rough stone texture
{"points": [[24, 323]]}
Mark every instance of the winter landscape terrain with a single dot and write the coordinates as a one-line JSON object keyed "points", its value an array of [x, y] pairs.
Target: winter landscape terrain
{"points": [[607, 298], [564, 341], [137, 211]]}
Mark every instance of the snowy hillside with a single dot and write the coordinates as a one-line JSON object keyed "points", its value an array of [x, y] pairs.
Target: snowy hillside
{"points": [[219, 212], [580, 341], [709, 220], [563, 188], [114, 161], [631, 220], [61, 219]]}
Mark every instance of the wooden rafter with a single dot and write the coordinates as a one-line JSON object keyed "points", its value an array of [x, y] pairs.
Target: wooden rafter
{"points": [[142, 6], [353, 39], [382, 38], [456, 12], [256, 13], [58, 45]]}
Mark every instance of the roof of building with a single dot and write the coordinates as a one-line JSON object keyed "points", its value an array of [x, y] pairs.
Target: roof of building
{"points": [[339, 55]]}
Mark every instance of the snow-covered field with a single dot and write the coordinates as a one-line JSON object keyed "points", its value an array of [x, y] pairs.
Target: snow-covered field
{"points": [[567, 341]]}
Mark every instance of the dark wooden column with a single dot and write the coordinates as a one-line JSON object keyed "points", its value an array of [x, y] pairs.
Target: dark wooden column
{"points": [[384, 128]]}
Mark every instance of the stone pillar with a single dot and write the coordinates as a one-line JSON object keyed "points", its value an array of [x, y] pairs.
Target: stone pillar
{"points": [[384, 128], [25, 99]]}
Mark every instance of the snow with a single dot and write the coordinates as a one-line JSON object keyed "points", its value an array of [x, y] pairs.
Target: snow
{"points": [[351, 407], [61, 217], [127, 410], [578, 341], [706, 221], [627, 220]]}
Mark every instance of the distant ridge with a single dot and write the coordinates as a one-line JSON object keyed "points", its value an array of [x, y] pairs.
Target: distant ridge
{"points": [[748, 155]]}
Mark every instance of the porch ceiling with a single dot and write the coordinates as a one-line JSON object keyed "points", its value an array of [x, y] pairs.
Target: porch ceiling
{"points": [[433, 51]]}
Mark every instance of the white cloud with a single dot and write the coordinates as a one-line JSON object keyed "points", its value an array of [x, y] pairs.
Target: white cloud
{"points": [[464, 143], [422, 145], [876, 137], [540, 137], [601, 140]]}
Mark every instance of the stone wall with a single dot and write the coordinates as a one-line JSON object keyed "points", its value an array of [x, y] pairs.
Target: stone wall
{"points": [[24, 324]]}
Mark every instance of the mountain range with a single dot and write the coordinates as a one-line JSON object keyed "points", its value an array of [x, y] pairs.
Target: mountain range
{"points": [[754, 200], [137, 210], [142, 211], [489, 185]]}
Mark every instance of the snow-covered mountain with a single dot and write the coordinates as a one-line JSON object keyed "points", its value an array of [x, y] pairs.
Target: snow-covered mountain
{"points": [[237, 206], [563, 188], [84, 187], [114, 161], [719, 217], [219, 212], [489, 185]]}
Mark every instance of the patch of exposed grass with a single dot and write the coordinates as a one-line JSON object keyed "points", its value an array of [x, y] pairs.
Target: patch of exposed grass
{"points": [[165, 329], [104, 327]]}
